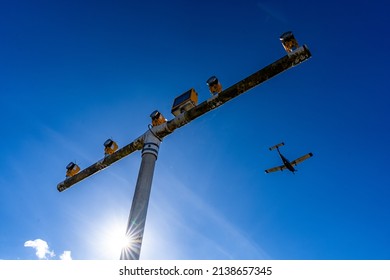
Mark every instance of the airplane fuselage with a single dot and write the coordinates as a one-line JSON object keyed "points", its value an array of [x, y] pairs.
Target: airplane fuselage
{"points": [[286, 162]]}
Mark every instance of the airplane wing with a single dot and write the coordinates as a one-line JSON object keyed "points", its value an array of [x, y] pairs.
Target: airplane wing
{"points": [[277, 168], [302, 158]]}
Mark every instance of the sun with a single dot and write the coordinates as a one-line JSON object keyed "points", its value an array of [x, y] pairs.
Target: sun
{"points": [[119, 240], [109, 238], [124, 242], [115, 240]]}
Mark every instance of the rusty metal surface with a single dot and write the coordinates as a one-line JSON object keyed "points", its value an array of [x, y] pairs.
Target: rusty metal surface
{"points": [[277, 67], [235, 90], [101, 164]]}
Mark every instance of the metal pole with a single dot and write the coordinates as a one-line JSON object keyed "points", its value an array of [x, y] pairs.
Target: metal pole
{"points": [[150, 142], [139, 207]]}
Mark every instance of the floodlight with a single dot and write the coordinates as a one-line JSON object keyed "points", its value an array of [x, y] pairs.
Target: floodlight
{"points": [[214, 85], [110, 146], [157, 118], [72, 169], [289, 42]]}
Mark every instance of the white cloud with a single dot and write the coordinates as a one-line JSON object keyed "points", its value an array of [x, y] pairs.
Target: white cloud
{"points": [[66, 256], [43, 251], [41, 247]]}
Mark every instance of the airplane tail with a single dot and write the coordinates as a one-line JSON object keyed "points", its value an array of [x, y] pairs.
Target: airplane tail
{"points": [[276, 146]]}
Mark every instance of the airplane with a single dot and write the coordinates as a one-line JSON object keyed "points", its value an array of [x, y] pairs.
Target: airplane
{"points": [[286, 163]]}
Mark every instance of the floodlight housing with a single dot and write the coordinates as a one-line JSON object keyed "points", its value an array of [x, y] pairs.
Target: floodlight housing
{"points": [[110, 146], [72, 169], [157, 118], [215, 86], [289, 42], [184, 102]]}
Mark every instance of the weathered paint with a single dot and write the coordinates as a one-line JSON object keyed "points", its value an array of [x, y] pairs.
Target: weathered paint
{"points": [[292, 59]]}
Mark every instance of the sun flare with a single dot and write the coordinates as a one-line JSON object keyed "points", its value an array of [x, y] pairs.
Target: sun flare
{"points": [[116, 241]]}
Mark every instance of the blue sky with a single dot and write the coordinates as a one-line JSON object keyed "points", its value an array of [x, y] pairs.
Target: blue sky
{"points": [[74, 73]]}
